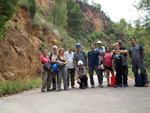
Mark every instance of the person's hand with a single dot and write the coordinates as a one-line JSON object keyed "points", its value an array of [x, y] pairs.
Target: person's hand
{"points": [[114, 51], [79, 80], [41, 70], [99, 67], [75, 67], [113, 68], [87, 67]]}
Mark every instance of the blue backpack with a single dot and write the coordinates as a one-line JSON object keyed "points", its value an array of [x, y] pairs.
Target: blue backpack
{"points": [[139, 80]]}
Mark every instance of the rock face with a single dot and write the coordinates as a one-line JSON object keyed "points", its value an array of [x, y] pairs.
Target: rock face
{"points": [[21, 47], [94, 19]]}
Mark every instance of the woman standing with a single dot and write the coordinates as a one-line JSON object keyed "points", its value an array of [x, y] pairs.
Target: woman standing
{"points": [[108, 64], [46, 75], [120, 63], [61, 59]]}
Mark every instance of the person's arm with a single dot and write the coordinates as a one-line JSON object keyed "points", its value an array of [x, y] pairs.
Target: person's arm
{"points": [[103, 52], [75, 64], [143, 54], [123, 51], [99, 64], [41, 65], [87, 62], [55, 60], [65, 60]]}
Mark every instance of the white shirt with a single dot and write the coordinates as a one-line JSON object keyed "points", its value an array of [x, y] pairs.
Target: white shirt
{"points": [[69, 56]]}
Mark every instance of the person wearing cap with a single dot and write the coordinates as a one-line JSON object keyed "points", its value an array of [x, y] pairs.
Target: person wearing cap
{"points": [[79, 55], [81, 75], [94, 63], [51, 57], [70, 66], [102, 51]]}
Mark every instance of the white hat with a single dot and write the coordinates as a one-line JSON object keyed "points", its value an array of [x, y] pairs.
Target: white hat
{"points": [[55, 46], [99, 42], [80, 62]]}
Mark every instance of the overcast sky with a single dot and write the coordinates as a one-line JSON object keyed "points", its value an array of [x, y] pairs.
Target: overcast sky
{"points": [[118, 9]]}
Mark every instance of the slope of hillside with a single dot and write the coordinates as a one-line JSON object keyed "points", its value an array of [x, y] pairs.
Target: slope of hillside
{"points": [[21, 47]]}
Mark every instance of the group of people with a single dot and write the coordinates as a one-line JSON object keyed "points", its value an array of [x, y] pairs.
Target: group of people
{"points": [[99, 59]]}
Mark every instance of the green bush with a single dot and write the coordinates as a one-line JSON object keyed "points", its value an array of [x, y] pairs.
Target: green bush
{"points": [[7, 10], [11, 87]]}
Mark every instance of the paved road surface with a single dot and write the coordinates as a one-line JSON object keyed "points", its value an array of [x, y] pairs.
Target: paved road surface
{"points": [[96, 100]]}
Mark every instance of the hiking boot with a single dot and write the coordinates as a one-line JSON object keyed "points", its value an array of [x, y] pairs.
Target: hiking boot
{"points": [[58, 89], [49, 90], [66, 89], [42, 90], [54, 88], [108, 85], [73, 87], [83, 87], [101, 86], [146, 85], [92, 86]]}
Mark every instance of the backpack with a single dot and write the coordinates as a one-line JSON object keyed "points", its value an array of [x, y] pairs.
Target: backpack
{"points": [[139, 80]]}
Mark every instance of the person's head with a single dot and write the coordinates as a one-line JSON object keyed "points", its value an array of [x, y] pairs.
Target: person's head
{"points": [[55, 49], [70, 49], [92, 46], [116, 46], [78, 47], [108, 49], [133, 41], [120, 43], [80, 63], [45, 52], [99, 44], [61, 51]]}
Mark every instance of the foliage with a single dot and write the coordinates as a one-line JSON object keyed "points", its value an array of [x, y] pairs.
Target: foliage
{"points": [[74, 19], [98, 6], [11, 87], [58, 13], [7, 11]]}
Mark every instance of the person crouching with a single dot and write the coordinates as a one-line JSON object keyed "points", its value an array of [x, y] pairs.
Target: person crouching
{"points": [[81, 75]]}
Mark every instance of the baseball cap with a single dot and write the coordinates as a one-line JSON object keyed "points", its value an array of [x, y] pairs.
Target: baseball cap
{"points": [[80, 62], [99, 42], [120, 41], [78, 45]]}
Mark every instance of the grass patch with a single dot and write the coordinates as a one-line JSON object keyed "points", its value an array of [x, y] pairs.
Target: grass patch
{"points": [[12, 87]]}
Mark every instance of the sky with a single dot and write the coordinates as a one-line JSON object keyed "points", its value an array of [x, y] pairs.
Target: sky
{"points": [[117, 9]]}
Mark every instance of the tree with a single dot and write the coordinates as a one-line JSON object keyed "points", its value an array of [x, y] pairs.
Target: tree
{"points": [[74, 19], [32, 8], [7, 10], [58, 13]]}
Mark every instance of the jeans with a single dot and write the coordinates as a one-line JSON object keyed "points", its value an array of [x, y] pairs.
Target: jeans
{"points": [[91, 70], [139, 64], [83, 81], [62, 73]]}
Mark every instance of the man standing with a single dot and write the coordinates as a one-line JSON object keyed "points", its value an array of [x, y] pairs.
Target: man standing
{"points": [[93, 63], [79, 55], [70, 66], [102, 51], [52, 56], [137, 54]]}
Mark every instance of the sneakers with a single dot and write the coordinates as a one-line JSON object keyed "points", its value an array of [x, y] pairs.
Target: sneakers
{"points": [[115, 86], [101, 86], [126, 85], [120, 85], [66, 89], [92, 86], [49, 90], [108, 85]]}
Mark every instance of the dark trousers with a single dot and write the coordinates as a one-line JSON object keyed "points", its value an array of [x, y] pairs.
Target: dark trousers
{"points": [[121, 73], [139, 64], [91, 70], [83, 81], [71, 72]]}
